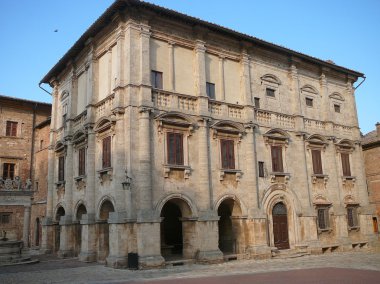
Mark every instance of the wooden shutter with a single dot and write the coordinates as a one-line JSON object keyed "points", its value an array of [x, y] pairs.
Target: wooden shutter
{"points": [[61, 168], [277, 165], [346, 164], [82, 161], [107, 152], [317, 161], [228, 154], [11, 128], [175, 148]]}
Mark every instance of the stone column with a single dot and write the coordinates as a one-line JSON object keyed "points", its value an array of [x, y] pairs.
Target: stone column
{"points": [[171, 74], [145, 174], [200, 77], [25, 231], [208, 249], [118, 242], [66, 244], [69, 179], [251, 167], [325, 98], [120, 63], [204, 166], [88, 245], [145, 70], [245, 80], [221, 78]]}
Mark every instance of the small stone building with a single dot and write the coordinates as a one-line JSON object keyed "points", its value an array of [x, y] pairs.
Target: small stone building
{"points": [[371, 151], [23, 125], [175, 138]]}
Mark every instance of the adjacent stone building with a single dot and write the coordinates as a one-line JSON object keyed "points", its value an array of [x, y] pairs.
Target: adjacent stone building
{"points": [[371, 151], [175, 138], [23, 125]]}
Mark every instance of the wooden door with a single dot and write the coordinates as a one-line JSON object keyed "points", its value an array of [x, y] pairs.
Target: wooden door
{"points": [[280, 226]]}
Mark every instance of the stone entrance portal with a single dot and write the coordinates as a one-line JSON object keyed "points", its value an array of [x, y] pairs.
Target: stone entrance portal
{"points": [[171, 231], [57, 230], [78, 229], [280, 226]]}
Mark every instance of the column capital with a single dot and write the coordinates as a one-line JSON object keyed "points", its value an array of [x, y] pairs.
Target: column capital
{"points": [[200, 46]]}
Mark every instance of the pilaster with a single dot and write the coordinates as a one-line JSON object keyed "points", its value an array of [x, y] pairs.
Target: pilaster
{"points": [[245, 87], [171, 87], [221, 79], [204, 164]]}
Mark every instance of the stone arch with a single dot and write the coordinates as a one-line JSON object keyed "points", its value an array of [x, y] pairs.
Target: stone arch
{"points": [[176, 117], [336, 96], [241, 209], [231, 225], [189, 211], [279, 193], [59, 146], [80, 209], [177, 229], [59, 212], [79, 136], [277, 132], [271, 79], [64, 94], [107, 201], [317, 139]]}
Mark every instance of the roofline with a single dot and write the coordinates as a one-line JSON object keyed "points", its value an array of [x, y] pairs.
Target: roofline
{"points": [[106, 18], [23, 100]]}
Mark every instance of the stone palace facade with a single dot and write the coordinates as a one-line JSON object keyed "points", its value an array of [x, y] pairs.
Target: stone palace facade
{"points": [[175, 138]]}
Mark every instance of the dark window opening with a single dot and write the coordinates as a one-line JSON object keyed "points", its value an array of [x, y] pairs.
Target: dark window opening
{"points": [[210, 90], [337, 108], [175, 148], [156, 78], [257, 102], [261, 169], [8, 171], [309, 102], [5, 218], [352, 217], [270, 92], [228, 154]]}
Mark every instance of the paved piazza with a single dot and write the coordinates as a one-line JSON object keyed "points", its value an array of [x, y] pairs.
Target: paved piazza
{"points": [[353, 267]]}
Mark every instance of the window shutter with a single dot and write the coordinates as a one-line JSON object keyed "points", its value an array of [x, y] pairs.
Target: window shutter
{"points": [[175, 148], [61, 168], [317, 161], [227, 154], [277, 165], [346, 164], [261, 169], [107, 152]]}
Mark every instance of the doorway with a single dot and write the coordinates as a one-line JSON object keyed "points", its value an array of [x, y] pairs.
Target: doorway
{"points": [[171, 231], [280, 226]]}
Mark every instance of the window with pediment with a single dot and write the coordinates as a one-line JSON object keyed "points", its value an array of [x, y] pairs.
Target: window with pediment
{"points": [[105, 131], [177, 129], [310, 95], [60, 150], [228, 135], [270, 84], [277, 140], [316, 145], [80, 150], [344, 149]]}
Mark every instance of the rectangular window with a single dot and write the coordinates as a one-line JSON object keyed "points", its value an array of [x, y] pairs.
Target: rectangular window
{"points": [[352, 216], [36, 186], [337, 108], [156, 78], [11, 129], [61, 168], [82, 161], [309, 102], [323, 218], [5, 218], [175, 148], [317, 161], [8, 171], [41, 144], [228, 154], [346, 164], [210, 90], [106, 155], [277, 165], [261, 169], [270, 92], [257, 102]]}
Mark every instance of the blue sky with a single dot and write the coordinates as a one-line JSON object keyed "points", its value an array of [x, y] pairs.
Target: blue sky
{"points": [[345, 31]]}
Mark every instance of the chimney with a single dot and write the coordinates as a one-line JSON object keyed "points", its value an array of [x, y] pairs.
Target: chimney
{"points": [[378, 129]]}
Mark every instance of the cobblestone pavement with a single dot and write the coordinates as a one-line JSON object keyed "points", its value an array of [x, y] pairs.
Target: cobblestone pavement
{"points": [[53, 270]]}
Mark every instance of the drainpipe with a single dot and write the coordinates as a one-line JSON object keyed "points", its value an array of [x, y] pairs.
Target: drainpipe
{"points": [[39, 85], [364, 77]]}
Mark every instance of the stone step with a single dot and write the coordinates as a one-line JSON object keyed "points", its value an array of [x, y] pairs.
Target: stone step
{"points": [[289, 253], [179, 262]]}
